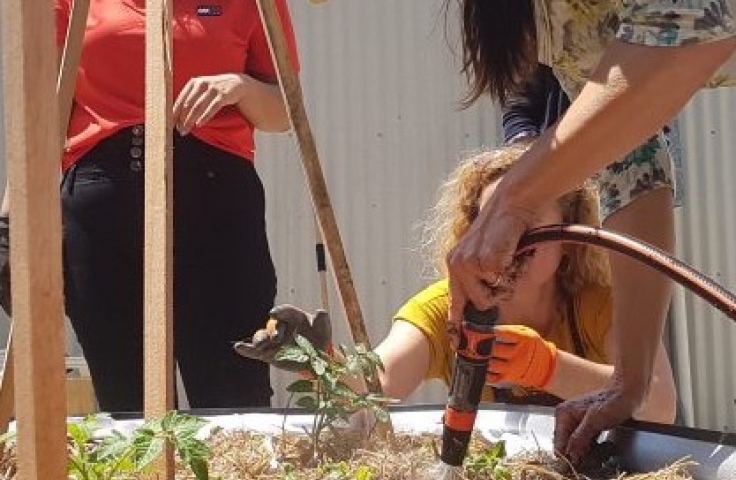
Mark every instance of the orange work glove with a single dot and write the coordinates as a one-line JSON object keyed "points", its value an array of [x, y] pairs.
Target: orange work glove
{"points": [[521, 357]]}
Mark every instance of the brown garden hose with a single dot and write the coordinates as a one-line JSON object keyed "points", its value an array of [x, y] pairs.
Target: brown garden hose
{"points": [[685, 275]]}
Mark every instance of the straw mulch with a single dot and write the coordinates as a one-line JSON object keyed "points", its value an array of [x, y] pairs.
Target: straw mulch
{"points": [[243, 455]]}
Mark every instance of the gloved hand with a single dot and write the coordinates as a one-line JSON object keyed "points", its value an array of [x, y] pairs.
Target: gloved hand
{"points": [[521, 357], [284, 324], [5, 264]]}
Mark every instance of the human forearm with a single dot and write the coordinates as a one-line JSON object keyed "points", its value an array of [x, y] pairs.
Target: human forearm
{"points": [[641, 295], [263, 105], [575, 376], [608, 120]]}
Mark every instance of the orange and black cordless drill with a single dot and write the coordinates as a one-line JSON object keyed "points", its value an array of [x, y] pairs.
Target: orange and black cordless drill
{"points": [[468, 378]]}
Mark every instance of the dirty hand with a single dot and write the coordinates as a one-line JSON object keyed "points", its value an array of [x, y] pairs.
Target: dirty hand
{"points": [[579, 421], [202, 97], [5, 264], [521, 356], [284, 324], [477, 264]]}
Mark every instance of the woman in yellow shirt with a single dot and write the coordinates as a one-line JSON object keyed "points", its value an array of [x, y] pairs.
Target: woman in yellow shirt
{"points": [[553, 339]]}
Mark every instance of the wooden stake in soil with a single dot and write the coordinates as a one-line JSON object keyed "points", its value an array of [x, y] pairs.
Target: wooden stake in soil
{"points": [[292, 93], [158, 255], [33, 170], [65, 93]]}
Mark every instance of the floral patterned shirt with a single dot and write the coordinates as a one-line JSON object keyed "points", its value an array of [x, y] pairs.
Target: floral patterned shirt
{"points": [[573, 34]]}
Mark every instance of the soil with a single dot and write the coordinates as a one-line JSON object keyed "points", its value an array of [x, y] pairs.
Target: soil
{"points": [[243, 455]]}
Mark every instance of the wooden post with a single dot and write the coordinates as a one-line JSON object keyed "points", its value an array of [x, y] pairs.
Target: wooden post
{"points": [[292, 92], [65, 94], [31, 113], [158, 255]]}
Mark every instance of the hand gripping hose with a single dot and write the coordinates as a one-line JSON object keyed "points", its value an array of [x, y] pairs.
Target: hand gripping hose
{"points": [[476, 340]]}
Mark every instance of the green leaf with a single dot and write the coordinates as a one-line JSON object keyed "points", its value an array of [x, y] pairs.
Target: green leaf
{"points": [[363, 472], [148, 451], [307, 402], [319, 366], [292, 354], [306, 346], [381, 415], [501, 472], [80, 433], [9, 438], [200, 469], [498, 450], [352, 364], [375, 359], [343, 390], [301, 386]]}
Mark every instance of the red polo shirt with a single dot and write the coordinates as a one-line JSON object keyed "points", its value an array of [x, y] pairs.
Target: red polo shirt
{"points": [[210, 37]]}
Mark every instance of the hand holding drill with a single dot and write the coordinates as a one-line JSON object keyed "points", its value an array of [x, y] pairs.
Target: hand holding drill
{"points": [[521, 356]]}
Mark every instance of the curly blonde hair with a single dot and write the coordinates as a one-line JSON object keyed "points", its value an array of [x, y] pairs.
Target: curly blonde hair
{"points": [[459, 203]]}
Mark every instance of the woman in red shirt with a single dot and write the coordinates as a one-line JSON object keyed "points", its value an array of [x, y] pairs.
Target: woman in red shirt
{"points": [[224, 283]]}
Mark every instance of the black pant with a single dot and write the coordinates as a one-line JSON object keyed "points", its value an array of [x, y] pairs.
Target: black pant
{"points": [[224, 279]]}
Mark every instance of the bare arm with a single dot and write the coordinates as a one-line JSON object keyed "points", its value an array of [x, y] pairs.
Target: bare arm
{"points": [[405, 355], [202, 98], [575, 376], [263, 105], [634, 91]]}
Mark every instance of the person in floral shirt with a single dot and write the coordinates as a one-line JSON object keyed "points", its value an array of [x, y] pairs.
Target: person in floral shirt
{"points": [[610, 58]]}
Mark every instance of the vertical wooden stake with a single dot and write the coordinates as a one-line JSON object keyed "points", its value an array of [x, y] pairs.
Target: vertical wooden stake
{"points": [[31, 113], [292, 92], [158, 256], [65, 94]]}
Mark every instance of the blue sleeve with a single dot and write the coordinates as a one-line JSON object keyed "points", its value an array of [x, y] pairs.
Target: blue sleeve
{"points": [[538, 105]]}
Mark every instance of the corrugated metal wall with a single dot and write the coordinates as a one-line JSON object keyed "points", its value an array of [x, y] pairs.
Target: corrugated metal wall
{"points": [[705, 339], [382, 91]]}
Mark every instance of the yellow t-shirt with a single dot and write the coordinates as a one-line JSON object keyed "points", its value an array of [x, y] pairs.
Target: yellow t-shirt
{"points": [[428, 312]]}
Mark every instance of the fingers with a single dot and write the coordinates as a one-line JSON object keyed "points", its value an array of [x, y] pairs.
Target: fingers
{"points": [[458, 300], [568, 416], [579, 422], [196, 104]]}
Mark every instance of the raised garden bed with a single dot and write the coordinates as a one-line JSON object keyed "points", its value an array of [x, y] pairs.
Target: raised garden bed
{"points": [[265, 445]]}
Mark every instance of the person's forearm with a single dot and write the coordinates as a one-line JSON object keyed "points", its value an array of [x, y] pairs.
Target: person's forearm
{"points": [[263, 105], [641, 295], [633, 92], [575, 376]]}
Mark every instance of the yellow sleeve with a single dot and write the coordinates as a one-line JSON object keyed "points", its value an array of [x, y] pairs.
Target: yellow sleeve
{"points": [[595, 316], [428, 311]]}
